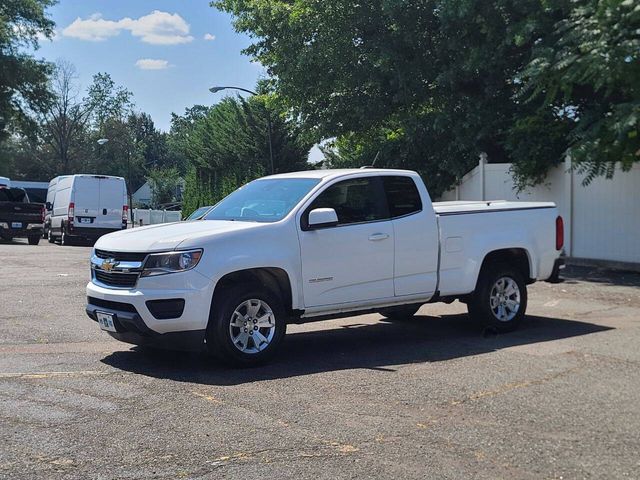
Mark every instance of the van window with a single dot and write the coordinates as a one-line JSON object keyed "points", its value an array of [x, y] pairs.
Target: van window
{"points": [[355, 201], [402, 196]]}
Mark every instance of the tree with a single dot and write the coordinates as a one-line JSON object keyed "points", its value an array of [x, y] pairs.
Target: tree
{"points": [[427, 83], [23, 79], [588, 71], [164, 184], [65, 120], [107, 100], [228, 146]]}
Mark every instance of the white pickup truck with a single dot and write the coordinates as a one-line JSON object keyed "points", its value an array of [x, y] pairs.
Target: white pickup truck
{"points": [[312, 245]]}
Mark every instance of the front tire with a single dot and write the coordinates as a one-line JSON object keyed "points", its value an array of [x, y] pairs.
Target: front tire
{"points": [[50, 238], [500, 299], [246, 325]]}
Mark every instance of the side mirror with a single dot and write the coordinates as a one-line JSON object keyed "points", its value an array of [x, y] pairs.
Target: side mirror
{"points": [[49, 206], [322, 218]]}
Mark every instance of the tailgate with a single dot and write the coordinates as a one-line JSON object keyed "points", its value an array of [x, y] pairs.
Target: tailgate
{"points": [[20, 212]]}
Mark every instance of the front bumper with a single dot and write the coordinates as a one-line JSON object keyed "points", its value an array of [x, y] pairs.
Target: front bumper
{"points": [[137, 324], [89, 233]]}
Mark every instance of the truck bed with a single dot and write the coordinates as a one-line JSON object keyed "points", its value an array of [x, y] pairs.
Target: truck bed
{"points": [[485, 206]]}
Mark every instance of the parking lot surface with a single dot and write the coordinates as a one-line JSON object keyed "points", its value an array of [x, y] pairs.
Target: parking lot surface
{"points": [[435, 397]]}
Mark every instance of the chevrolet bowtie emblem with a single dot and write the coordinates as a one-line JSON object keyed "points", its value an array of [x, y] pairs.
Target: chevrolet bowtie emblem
{"points": [[109, 264]]}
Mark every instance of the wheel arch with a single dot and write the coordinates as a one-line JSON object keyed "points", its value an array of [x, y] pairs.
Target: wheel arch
{"points": [[518, 257], [274, 278]]}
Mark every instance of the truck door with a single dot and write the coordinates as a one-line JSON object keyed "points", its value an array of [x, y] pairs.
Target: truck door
{"points": [[111, 202], [352, 261], [416, 237]]}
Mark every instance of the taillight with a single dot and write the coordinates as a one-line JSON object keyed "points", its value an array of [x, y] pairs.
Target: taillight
{"points": [[559, 233], [125, 216], [71, 212]]}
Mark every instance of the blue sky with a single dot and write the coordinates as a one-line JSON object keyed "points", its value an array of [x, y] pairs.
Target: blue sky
{"points": [[155, 49]]}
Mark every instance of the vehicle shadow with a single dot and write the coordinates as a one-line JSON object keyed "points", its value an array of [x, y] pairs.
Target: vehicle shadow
{"points": [[379, 346]]}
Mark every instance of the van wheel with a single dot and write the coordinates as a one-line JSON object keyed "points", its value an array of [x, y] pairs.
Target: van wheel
{"points": [[64, 238], [500, 299], [401, 313], [34, 239], [246, 325], [50, 238]]}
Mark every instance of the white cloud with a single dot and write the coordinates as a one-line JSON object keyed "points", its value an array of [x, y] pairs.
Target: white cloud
{"points": [[152, 64], [156, 28], [208, 36]]}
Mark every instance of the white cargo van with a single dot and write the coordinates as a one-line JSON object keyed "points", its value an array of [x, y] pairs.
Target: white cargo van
{"points": [[86, 207]]}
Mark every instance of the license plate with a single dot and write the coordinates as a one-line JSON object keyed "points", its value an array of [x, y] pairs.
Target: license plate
{"points": [[106, 321], [16, 225], [85, 220]]}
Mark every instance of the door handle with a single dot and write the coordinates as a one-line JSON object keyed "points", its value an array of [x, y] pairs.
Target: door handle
{"points": [[376, 237]]}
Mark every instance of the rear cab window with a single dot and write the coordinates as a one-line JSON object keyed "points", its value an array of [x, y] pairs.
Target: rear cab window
{"points": [[13, 195], [402, 195]]}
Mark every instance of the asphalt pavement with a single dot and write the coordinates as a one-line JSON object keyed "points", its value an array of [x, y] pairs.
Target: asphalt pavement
{"points": [[435, 397]]}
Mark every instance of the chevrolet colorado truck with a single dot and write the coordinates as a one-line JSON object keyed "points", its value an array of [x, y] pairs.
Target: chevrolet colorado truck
{"points": [[312, 245], [19, 218]]}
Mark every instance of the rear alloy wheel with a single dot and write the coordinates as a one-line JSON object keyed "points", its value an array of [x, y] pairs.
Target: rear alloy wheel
{"points": [[246, 326], [500, 300]]}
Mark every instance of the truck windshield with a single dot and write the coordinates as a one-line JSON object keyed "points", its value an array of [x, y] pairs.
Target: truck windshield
{"points": [[267, 200]]}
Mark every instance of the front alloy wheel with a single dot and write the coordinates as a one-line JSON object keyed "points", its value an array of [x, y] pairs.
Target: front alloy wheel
{"points": [[252, 326], [246, 325]]}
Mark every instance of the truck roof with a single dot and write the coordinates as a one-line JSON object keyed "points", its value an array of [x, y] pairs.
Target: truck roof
{"points": [[338, 172]]}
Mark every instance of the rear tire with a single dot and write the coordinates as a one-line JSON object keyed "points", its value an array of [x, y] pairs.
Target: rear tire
{"points": [[500, 298], [401, 313], [34, 239], [64, 238], [246, 325]]}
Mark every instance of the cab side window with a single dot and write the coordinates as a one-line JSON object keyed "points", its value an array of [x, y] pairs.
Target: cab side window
{"points": [[402, 195], [355, 201]]}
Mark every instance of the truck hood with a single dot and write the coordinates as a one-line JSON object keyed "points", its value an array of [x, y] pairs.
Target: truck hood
{"points": [[169, 236]]}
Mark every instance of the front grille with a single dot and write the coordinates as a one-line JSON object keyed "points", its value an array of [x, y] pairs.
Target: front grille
{"points": [[121, 256], [121, 280], [117, 306]]}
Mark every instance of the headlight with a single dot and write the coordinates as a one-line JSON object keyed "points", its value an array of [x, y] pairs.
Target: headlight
{"points": [[163, 263]]}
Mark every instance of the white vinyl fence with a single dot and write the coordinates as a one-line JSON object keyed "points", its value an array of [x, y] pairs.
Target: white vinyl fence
{"points": [[602, 220], [151, 217]]}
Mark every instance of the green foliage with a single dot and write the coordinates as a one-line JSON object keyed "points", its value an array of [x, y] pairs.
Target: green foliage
{"points": [[522, 81], [106, 100], [164, 183], [439, 74], [227, 146], [23, 79], [589, 70]]}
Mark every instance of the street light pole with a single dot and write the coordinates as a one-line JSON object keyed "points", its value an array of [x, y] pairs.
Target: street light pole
{"points": [[269, 126]]}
